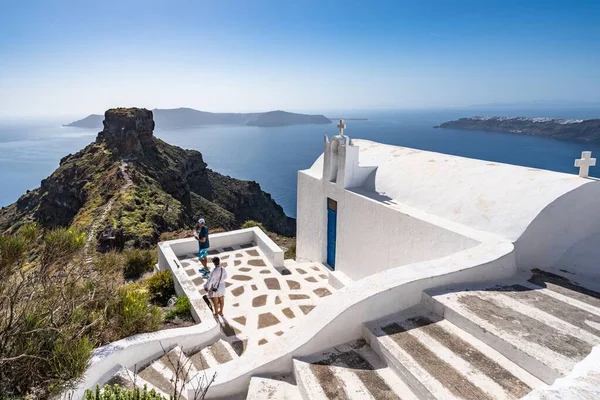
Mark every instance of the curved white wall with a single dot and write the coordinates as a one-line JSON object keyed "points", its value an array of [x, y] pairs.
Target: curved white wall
{"points": [[565, 235]]}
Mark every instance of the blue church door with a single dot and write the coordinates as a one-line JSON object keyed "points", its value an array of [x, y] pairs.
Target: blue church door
{"points": [[331, 231]]}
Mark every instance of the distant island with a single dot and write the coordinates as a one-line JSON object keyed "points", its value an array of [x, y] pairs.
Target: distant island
{"points": [[564, 129], [188, 117]]}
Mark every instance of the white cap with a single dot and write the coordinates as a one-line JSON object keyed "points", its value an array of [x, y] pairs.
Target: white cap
{"points": [[201, 221]]}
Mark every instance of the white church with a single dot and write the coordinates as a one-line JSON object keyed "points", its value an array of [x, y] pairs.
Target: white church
{"points": [[365, 207], [418, 275]]}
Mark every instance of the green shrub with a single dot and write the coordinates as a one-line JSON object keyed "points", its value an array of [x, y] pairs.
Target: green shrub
{"points": [[252, 224], [138, 262], [183, 308], [12, 250], [290, 253], [108, 262], [131, 311], [117, 393], [29, 232], [61, 244], [161, 287]]}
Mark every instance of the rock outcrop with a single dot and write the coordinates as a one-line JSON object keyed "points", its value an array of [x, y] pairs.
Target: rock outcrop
{"points": [[564, 129], [127, 131], [130, 186]]}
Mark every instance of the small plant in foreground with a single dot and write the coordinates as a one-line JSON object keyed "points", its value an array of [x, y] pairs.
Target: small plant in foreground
{"points": [[182, 308], [290, 253], [161, 287], [117, 393], [132, 312]]}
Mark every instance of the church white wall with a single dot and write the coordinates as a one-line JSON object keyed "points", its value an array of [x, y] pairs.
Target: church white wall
{"points": [[311, 220], [371, 237], [377, 237], [565, 235]]}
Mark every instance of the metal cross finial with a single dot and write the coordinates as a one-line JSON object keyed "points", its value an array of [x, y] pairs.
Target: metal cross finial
{"points": [[341, 126], [585, 163]]}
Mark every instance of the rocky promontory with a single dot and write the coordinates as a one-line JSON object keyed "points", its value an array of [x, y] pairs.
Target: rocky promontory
{"points": [[130, 186], [564, 129], [189, 118]]}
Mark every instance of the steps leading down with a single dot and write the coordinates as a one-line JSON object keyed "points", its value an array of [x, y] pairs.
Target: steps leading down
{"points": [[545, 324], [175, 369], [440, 361], [348, 371]]}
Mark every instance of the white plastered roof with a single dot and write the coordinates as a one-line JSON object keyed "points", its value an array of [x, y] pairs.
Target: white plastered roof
{"points": [[498, 198]]}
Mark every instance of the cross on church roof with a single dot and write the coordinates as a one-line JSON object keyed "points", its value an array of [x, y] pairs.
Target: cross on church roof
{"points": [[585, 163], [341, 126]]}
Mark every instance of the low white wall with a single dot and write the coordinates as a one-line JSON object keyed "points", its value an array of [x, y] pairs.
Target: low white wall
{"points": [[583, 383], [226, 239], [340, 317], [565, 235], [137, 351], [273, 252], [372, 235], [183, 284]]}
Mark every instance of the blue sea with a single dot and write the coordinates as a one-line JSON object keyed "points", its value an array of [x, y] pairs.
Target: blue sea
{"points": [[31, 149]]}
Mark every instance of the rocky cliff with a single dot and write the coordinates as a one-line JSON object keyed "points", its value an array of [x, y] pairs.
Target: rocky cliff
{"points": [[565, 129], [128, 186]]}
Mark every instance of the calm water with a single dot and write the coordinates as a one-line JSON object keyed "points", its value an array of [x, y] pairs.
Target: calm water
{"points": [[31, 150]]}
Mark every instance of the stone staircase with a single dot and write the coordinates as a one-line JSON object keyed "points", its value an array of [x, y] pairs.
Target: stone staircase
{"points": [[176, 368], [494, 341]]}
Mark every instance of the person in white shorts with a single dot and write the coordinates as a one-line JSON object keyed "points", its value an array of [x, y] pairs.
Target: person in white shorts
{"points": [[215, 287]]}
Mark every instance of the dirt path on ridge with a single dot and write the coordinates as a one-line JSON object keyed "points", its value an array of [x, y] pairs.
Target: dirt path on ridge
{"points": [[106, 210]]}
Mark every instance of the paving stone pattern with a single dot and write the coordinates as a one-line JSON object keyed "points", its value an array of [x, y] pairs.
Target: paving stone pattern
{"points": [[262, 302]]}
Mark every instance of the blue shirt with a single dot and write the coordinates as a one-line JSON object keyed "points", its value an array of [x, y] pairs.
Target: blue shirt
{"points": [[204, 233]]}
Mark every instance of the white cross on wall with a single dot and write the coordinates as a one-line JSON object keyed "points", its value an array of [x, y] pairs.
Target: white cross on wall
{"points": [[585, 163], [341, 126]]}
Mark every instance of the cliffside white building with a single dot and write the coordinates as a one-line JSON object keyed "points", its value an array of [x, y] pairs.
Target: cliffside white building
{"points": [[365, 207]]}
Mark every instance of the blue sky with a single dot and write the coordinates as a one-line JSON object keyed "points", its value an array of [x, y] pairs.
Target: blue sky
{"points": [[79, 57]]}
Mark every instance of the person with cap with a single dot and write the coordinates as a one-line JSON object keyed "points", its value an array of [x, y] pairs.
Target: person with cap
{"points": [[203, 244]]}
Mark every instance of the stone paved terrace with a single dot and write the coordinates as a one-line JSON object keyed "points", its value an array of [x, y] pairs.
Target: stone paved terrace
{"points": [[261, 302]]}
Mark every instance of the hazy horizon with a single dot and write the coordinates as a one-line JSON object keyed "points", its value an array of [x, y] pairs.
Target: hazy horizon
{"points": [[64, 58]]}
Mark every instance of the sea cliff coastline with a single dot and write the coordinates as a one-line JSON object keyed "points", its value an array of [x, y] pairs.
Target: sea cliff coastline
{"points": [[563, 129]]}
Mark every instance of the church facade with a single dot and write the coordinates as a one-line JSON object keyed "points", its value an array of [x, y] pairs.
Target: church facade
{"points": [[365, 207]]}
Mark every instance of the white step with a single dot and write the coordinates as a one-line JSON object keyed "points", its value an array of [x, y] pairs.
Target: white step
{"points": [[272, 389], [213, 355], [523, 325], [348, 371], [437, 360]]}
